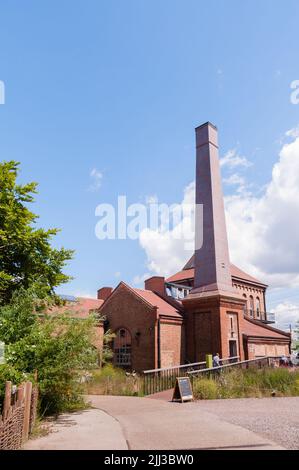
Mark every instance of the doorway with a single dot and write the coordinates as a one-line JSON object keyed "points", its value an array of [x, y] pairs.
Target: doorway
{"points": [[233, 351]]}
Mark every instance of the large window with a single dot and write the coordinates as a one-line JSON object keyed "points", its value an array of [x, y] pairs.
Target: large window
{"points": [[258, 308], [251, 306], [245, 305], [122, 348]]}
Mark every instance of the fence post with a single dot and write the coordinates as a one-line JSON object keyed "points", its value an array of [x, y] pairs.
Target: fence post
{"points": [[28, 392], [20, 394], [7, 399], [209, 361]]}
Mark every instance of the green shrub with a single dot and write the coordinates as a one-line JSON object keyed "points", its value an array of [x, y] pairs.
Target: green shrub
{"points": [[205, 389], [278, 379], [8, 373], [58, 347]]}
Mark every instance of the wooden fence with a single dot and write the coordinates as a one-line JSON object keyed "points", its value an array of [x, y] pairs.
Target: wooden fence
{"points": [[18, 415]]}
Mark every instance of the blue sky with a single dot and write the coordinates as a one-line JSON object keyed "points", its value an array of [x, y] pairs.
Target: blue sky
{"points": [[118, 86]]}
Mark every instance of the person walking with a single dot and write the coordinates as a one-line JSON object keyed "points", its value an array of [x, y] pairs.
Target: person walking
{"points": [[216, 360]]}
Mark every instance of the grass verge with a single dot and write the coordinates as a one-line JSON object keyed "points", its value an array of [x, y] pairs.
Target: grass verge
{"points": [[112, 381], [248, 383]]}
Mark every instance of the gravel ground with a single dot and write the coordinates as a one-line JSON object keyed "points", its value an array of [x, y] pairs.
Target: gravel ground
{"points": [[274, 418]]}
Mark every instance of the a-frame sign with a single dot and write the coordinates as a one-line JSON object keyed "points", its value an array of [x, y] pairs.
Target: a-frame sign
{"points": [[182, 390]]}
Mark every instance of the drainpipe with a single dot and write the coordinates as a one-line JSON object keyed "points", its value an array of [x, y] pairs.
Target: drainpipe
{"points": [[159, 343]]}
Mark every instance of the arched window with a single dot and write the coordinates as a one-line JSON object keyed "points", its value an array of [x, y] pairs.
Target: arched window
{"points": [[258, 308], [122, 348], [245, 305], [251, 306]]}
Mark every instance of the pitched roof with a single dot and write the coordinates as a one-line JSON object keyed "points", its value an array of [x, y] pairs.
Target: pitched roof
{"points": [[150, 298], [238, 273], [188, 273], [181, 275], [80, 308], [164, 308], [254, 328]]}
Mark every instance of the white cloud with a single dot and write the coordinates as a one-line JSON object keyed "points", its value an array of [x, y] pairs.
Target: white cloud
{"points": [[264, 231], [85, 294], [166, 252], [293, 133], [239, 182], [96, 178], [232, 160], [286, 314], [138, 281], [117, 274]]}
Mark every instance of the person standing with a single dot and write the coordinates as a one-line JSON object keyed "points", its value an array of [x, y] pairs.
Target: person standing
{"points": [[216, 360]]}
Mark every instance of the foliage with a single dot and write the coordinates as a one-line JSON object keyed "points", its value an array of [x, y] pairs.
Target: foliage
{"points": [[7, 372], [106, 353], [238, 383], [205, 389], [111, 380], [26, 256], [59, 347]]}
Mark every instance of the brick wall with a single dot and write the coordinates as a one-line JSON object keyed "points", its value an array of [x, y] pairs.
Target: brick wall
{"points": [[267, 349], [124, 310], [208, 327], [171, 340]]}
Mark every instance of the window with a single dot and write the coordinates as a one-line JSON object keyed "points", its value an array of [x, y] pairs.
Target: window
{"points": [[168, 291], [245, 305], [181, 293], [251, 306], [174, 292], [122, 348], [258, 308]]}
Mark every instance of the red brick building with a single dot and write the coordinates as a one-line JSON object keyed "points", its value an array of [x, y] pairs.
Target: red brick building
{"points": [[155, 330], [210, 306]]}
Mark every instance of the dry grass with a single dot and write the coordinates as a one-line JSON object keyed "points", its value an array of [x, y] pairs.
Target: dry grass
{"points": [[113, 381], [250, 383]]}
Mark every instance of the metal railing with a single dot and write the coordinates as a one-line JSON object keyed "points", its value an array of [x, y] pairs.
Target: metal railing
{"points": [[158, 380], [257, 363], [264, 317]]}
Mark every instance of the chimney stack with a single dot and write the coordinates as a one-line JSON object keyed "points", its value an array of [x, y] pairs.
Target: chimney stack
{"points": [[104, 293], [212, 265], [155, 284]]}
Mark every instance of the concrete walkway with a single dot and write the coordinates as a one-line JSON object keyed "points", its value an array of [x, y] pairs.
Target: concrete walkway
{"points": [[150, 424], [85, 430], [159, 424]]}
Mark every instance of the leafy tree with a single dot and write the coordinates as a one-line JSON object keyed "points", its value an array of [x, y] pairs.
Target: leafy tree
{"points": [[26, 256], [58, 346]]}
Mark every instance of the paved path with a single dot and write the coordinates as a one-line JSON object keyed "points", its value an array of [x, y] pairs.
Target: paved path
{"points": [[157, 424], [85, 430]]}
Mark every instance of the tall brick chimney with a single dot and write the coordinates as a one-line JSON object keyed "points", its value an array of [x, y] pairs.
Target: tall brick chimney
{"points": [[155, 284], [212, 265], [104, 293]]}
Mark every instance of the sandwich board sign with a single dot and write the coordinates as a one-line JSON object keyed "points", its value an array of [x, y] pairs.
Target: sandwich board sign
{"points": [[2, 357], [182, 390]]}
